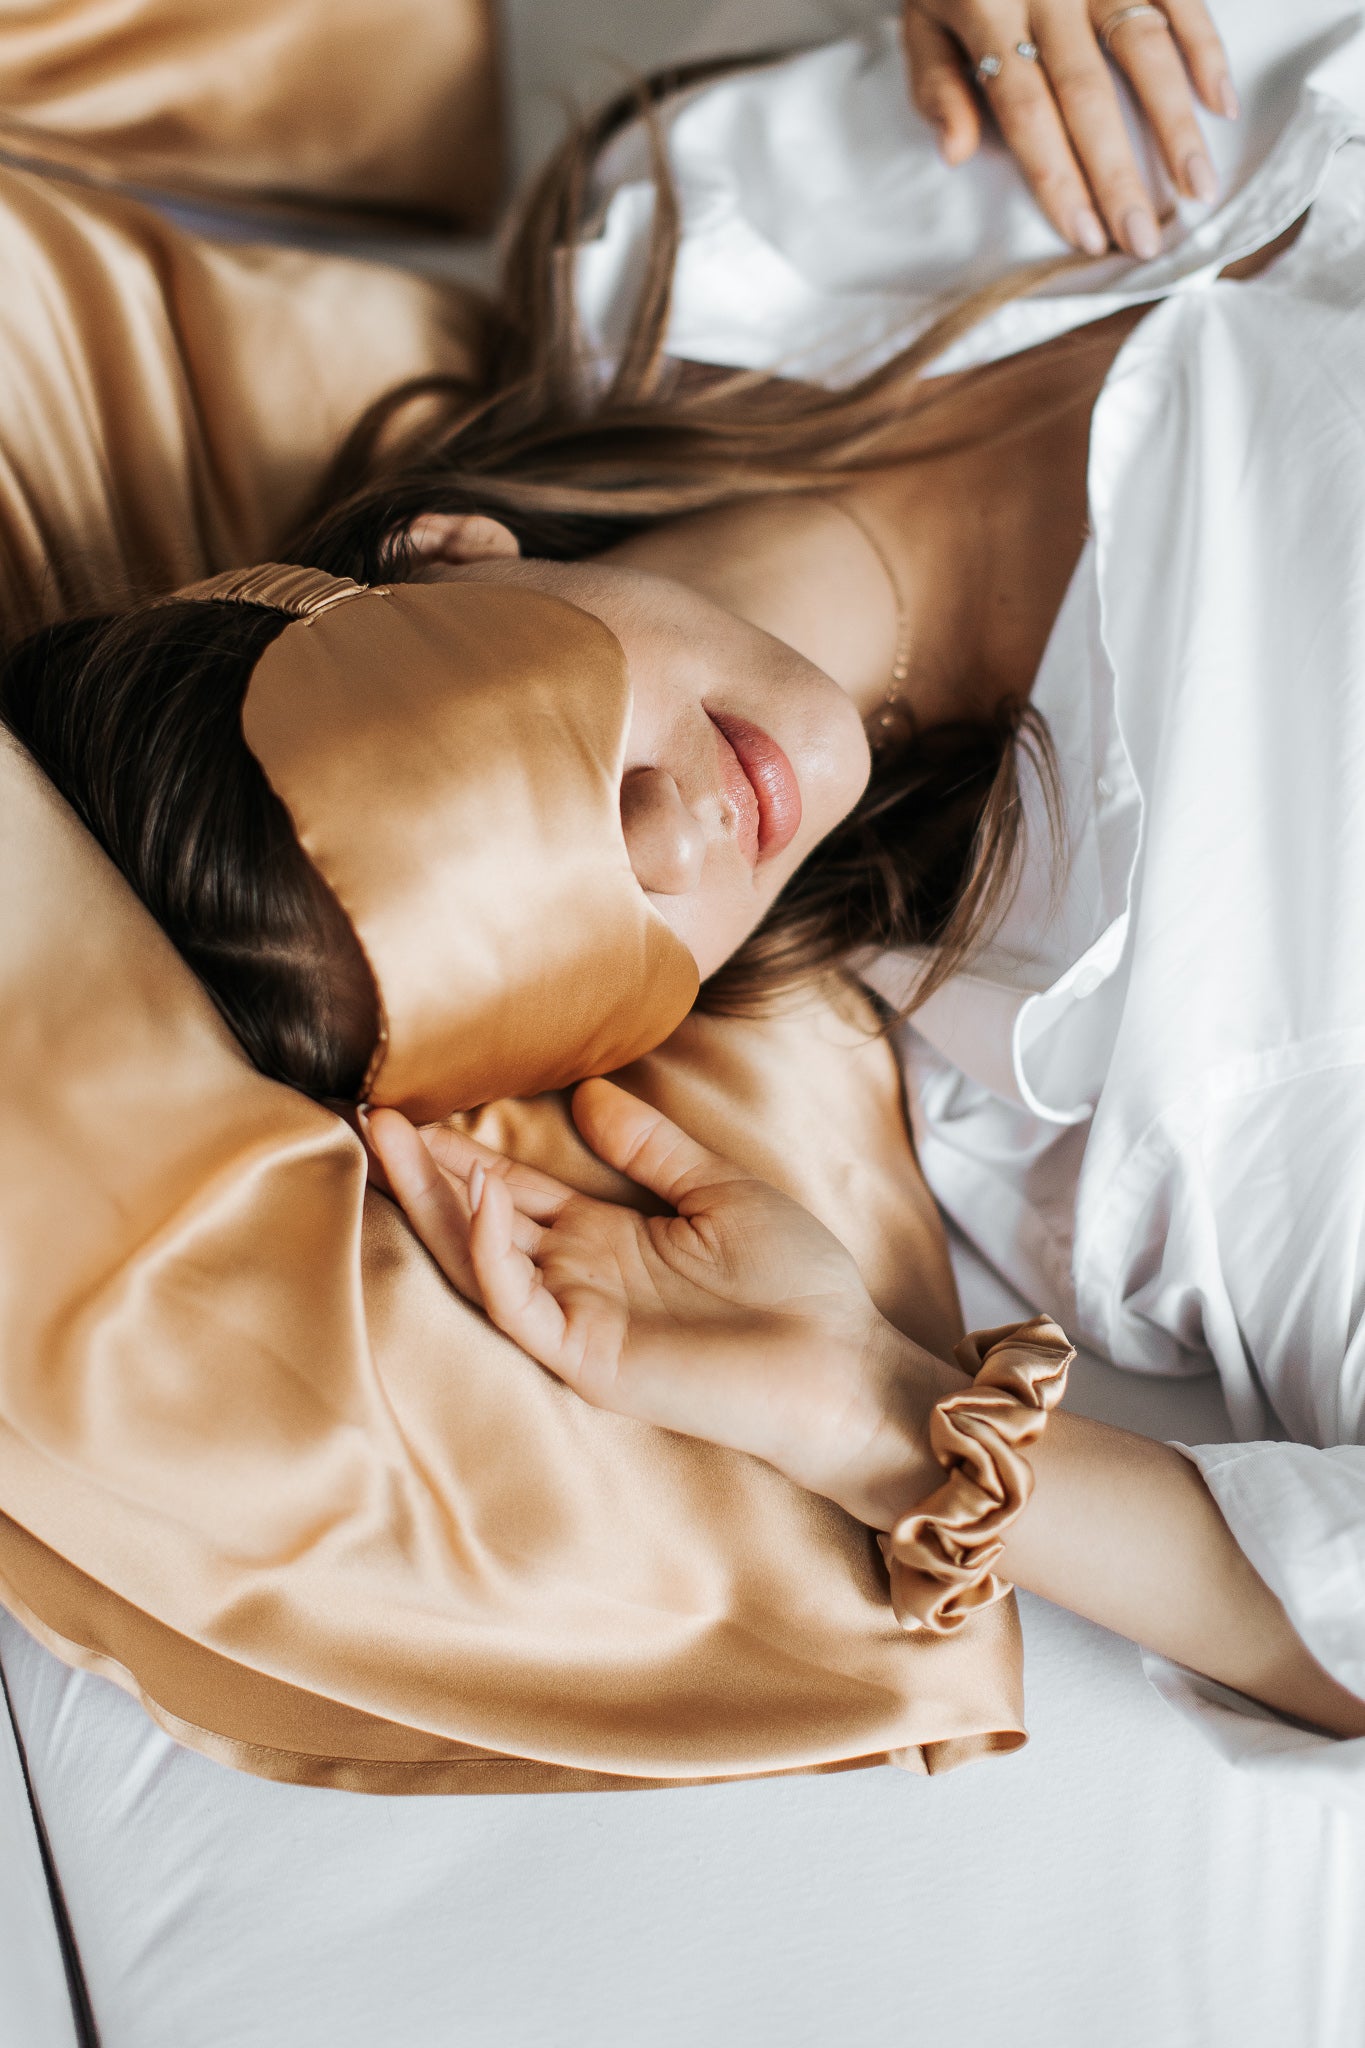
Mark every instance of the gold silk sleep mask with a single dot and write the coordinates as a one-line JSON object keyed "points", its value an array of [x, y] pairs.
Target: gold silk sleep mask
{"points": [[451, 758]]}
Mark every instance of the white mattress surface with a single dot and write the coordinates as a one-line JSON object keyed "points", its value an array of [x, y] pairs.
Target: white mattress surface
{"points": [[1114, 1885]]}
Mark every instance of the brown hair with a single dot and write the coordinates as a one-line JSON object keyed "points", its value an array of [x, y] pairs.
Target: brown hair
{"points": [[137, 718], [928, 857]]}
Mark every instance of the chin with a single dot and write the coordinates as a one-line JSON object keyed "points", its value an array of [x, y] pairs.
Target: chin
{"points": [[827, 747], [839, 777]]}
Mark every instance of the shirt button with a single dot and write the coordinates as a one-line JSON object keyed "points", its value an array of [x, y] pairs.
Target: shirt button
{"points": [[1087, 981]]}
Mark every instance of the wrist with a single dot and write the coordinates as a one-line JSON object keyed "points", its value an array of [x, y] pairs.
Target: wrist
{"points": [[886, 1465]]}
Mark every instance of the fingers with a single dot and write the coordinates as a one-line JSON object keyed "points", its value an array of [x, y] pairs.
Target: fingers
{"points": [[1201, 46], [642, 1143], [1086, 95], [1030, 120], [435, 1197], [1061, 116], [538, 1196], [939, 88], [1147, 52], [435, 1206], [511, 1286]]}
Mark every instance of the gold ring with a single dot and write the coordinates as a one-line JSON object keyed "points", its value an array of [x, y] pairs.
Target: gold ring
{"points": [[1144, 12]]}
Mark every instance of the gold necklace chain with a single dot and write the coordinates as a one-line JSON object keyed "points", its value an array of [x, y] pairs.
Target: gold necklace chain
{"points": [[893, 718]]}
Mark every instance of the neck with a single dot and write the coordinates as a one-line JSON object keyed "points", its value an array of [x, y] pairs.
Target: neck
{"points": [[980, 541], [802, 570]]}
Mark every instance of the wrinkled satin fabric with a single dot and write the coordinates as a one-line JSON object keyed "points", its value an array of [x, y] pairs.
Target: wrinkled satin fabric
{"points": [[942, 1555], [317, 103], [167, 404], [344, 1523], [258, 1464], [451, 756]]}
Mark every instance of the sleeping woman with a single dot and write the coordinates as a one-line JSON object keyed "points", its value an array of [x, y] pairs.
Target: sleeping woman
{"points": [[1002, 651]]}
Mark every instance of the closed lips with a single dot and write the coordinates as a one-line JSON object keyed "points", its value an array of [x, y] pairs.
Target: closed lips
{"points": [[761, 783]]}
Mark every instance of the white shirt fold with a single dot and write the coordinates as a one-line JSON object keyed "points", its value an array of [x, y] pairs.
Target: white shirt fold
{"points": [[1146, 1101]]}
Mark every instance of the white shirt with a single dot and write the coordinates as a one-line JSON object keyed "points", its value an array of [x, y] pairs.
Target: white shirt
{"points": [[1146, 1102]]}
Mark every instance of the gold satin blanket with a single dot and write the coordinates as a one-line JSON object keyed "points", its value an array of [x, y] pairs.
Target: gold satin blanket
{"points": [[257, 1462]]}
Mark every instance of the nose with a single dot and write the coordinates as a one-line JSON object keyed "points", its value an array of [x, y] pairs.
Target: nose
{"points": [[667, 845]]}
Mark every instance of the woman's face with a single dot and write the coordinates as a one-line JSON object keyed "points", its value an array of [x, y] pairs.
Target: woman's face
{"points": [[741, 756]]}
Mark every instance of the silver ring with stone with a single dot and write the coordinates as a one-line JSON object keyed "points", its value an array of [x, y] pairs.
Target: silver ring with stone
{"points": [[1027, 50], [987, 68]]}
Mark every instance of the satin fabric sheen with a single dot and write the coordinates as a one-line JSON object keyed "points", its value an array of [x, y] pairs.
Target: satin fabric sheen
{"points": [[451, 757], [322, 104], [941, 1555], [167, 404], [344, 1523], [257, 1463]]}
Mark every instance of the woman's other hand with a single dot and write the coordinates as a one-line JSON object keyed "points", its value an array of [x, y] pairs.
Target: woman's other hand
{"points": [[738, 1318], [1040, 66]]}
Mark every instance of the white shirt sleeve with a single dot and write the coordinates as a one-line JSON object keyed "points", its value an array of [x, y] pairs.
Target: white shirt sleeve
{"points": [[1253, 1738], [1221, 610], [1298, 1512], [1277, 1288]]}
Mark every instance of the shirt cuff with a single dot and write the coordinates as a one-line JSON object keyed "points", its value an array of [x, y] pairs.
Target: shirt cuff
{"points": [[1255, 1738], [1298, 1514]]}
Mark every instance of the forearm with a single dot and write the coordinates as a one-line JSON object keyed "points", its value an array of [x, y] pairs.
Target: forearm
{"points": [[1118, 1529], [741, 1320], [1124, 1531]]}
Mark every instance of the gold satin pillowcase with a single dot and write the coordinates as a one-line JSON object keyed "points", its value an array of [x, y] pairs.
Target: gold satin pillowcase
{"points": [[258, 1464], [333, 106], [168, 404]]}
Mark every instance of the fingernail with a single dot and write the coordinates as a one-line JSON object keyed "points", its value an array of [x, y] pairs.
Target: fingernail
{"points": [[1087, 232], [1228, 100], [1140, 233], [477, 1177], [1200, 176]]}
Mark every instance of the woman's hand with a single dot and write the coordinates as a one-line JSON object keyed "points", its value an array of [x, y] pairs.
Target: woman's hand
{"points": [[1058, 109], [738, 1318]]}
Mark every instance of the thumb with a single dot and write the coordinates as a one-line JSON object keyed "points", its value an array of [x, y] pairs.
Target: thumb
{"points": [[641, 1143]]}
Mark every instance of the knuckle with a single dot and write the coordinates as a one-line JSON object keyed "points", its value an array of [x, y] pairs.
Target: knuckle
{"points": [[1178, 131], [1082, 86], [1045, 159], [1119, 195], [1024, 103], [1056, 187]]}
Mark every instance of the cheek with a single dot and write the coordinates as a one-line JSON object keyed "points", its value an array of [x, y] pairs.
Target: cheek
{"points": [[714, 919]]}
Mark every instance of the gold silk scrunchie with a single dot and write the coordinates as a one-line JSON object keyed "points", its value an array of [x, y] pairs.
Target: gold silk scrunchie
{"points": [[940, 1557]]}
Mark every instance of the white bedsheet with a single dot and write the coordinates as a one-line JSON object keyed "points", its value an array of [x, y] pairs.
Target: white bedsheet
{"points": [[1115, 1885], [35, 2007]]}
